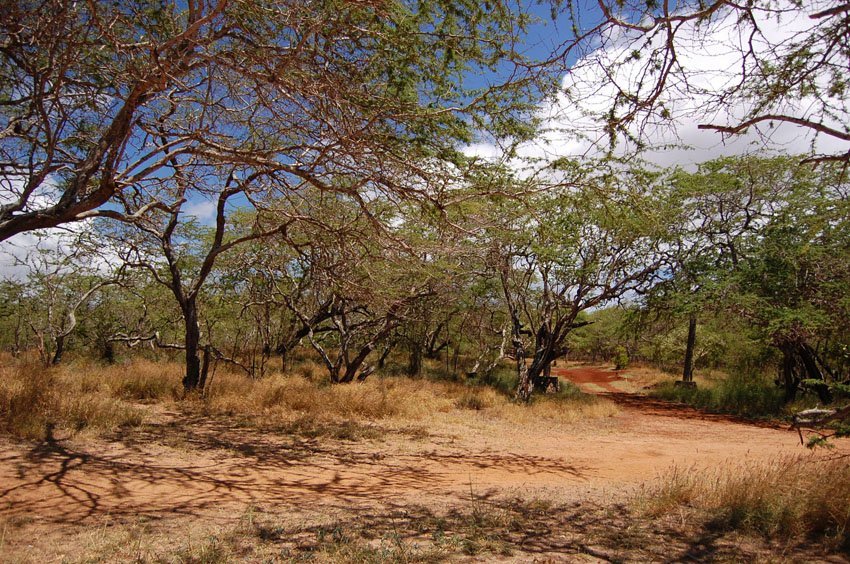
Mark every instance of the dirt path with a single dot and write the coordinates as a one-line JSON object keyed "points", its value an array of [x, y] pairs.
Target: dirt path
{"points": [[199, 467]]}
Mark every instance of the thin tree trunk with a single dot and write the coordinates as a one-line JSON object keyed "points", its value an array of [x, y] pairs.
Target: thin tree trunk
{"points": [[205, 368], [383, 358], [789, 379], [688, 373], [192, 379], [414, 366], [60, 350], [284, 353], [525, 385], [813, 372], [107, 353]]}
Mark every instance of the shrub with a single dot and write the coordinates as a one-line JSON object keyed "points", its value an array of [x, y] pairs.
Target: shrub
{"points": [[34, 400], [144, 381], [782, 499], [750, 396], [621, 358]]}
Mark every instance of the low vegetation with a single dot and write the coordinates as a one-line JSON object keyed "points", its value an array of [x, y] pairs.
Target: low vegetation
{"points": [[749, 396], [786, 499], [36, 402], [670, 520]]}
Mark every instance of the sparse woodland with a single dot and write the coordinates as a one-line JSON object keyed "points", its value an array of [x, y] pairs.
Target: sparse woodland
{"points": [[307, 215]]}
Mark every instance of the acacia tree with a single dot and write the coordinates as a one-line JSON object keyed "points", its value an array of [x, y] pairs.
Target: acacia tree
{"points": [[604, 236], [281, 293], [97, 99], [364, 100], [773, 251], [76, 80], [367, 277], [63, 285], [187, 260]]}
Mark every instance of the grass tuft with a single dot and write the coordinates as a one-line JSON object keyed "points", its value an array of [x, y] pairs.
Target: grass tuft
{"points": [[35, 400], [86, 395], [782, 499]]}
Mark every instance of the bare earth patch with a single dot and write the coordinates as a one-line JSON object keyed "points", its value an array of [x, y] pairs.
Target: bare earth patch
{"points": [[448, 487]]}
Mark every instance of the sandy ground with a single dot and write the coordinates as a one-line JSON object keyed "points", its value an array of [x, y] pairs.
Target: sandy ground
{"points": [[213, 469]]}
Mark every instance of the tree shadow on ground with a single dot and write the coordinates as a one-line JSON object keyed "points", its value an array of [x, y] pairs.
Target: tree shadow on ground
{"points": [[210, 465], [653, 406], [528, 530], [191, 465]]}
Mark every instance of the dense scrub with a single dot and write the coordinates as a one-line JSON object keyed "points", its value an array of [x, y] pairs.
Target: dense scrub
{"points": [[747, 395]]}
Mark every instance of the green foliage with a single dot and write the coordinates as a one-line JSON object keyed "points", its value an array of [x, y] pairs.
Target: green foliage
{"points": [[723, 342], [621, 357], [607, 329], [766, 270], [739, 394]]}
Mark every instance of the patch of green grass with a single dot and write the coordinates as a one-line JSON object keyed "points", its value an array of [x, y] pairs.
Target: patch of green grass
{"points": [[570, 391], [746, 395], [503, 378]]}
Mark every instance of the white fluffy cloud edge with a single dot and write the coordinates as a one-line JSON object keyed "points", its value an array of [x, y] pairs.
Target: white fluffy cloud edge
{"points": [[709, 62]]}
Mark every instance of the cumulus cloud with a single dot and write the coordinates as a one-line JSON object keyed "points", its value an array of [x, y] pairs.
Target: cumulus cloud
{"points": [[710, 61], [200, 208]]}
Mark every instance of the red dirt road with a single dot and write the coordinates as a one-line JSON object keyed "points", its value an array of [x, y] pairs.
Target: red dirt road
{"points": [[591, 378]]}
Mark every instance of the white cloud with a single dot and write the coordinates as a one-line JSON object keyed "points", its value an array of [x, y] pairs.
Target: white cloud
{"points": [[710, 61], [202, 209]]}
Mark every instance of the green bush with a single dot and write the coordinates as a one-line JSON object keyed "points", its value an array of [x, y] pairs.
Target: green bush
{"points": [[621, 358], [747, 395]]}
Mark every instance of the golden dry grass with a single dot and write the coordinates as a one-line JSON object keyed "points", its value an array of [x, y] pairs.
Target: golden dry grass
{"points": [[288, 398], [35, 400], [647, 376], [784, 498]]}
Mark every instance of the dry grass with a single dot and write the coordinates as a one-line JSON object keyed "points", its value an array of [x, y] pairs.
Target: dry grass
{"points": [[416, 534], [786, 498], [648, 376], [284, 400], [556, 410], [35, 400]]}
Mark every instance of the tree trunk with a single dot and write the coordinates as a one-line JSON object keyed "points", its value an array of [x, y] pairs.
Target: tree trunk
{"points": [[433, 346], [540, 373], [789, 379], [107, 352], [688, 373], [192, 379], [284, 361], [60, 350], [414, 365], [351, 369], [382, 361], [813, 372], [205, 368], [799, 362], [525, 385]]}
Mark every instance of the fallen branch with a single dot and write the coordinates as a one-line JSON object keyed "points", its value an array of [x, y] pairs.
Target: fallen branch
{"points": [[814, 420]]}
